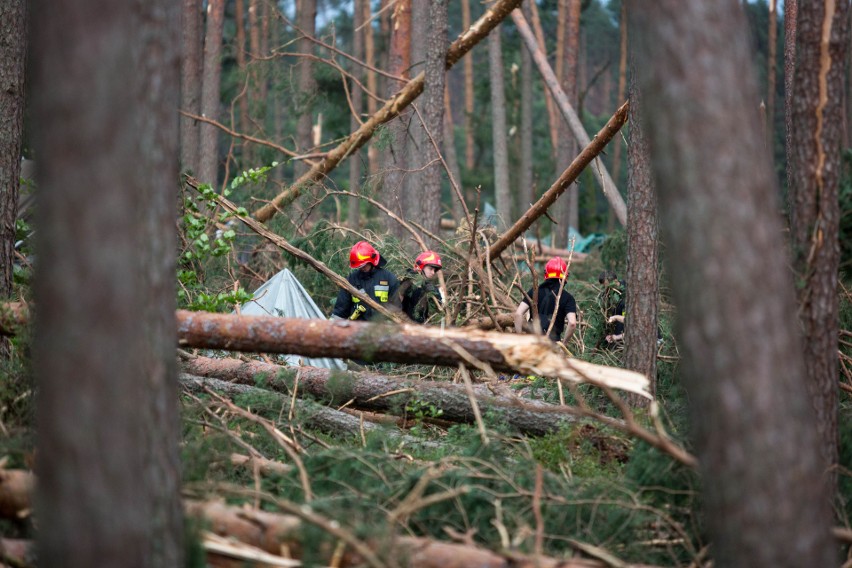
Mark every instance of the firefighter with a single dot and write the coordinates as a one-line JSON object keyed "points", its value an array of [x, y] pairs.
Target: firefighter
{"points": [[614, 309], [551, 291], [369, 277], [418, 291]]}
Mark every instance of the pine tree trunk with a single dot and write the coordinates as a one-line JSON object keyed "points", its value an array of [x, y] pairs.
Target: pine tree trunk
{"points": [[394, 164], [240, 52], [502, 191], [433, 115], [451, 155], [13, 30], [643, 295], [107, 410], [416, 156], [552, 113], [526, 191], [571, 215], [190, 84], [742, 366], [468, 95], [822, 44], [354, 208], [770, 77], [791, 12], [307, 84], [208, 170], [372, 82]]}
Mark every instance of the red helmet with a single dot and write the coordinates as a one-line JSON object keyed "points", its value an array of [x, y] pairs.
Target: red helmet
{"points": [[427, 258], [555, 268], [363, 253]]}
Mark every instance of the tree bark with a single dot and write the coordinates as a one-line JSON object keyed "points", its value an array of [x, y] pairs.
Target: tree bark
{"points": [[106, 88], [211, 78], [822, 44], [190, 84], [307, 17], [375, 392], [392, 108], [395, 156], [249, 92], [452, 159], [502, 191], [358, 32], [526, 192], [791, 12], [13, 30], [643, 288], [548, 99], [433, 115], [599, 170], [372, 82], [568, 177], [569, 145], [754, 427], [527, 354], [468, 95]]}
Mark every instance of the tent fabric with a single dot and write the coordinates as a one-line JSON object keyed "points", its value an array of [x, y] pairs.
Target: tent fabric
{"points": [[284, 296]]}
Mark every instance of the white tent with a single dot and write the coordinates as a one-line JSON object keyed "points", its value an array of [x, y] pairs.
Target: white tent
{"points": [[284, 296]]}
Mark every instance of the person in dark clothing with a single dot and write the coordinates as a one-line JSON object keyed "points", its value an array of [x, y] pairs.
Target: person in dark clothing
{"points": [[555, 306], [614, 308], [418, 292], [369, 277]]}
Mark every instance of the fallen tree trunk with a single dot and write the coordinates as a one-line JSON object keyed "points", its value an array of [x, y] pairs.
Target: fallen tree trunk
{"points": [[608, 187], [525, 354], [568, 177], [374, 391], [464, 43], [316, 416]]}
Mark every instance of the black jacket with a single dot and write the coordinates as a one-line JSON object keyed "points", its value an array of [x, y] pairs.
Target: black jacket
{"points": [[547, 293], [379, 284]]}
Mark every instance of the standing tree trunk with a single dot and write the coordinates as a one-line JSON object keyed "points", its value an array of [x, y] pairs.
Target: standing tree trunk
{"points": [[552, 112], [643, 289], [211, 75], [307, 17], [433, 114], [417, 157], [791, 15], [821, 46], [107, 410], [190, 84], [354, 209], [240, 52], [468, 94], [13, 30], [502, 192], [526, 192], [372, 83], [399, 58], [568, 144], [755, 431], [770, 78], [622, 88]]}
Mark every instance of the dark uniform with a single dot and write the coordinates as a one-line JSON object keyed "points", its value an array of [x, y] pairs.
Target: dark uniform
{"points": [[417, 296], [547, 293], [379, 284]]}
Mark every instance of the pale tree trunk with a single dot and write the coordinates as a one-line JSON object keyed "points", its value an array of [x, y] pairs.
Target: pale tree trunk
{"points": [[240, 52], [526, 192], [211, 76], [552, 113], [13, 49], [354, 209], [451, 156], [643, 290], [568, 146], [433, 114], [821, 51], [417, 157], [468, 94], [107, 410], [192, 27], [502, 192], [307, 84], [565, 148], [770, 77], [399, 58], [754, 428], [622, 89], [372, 83]]}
